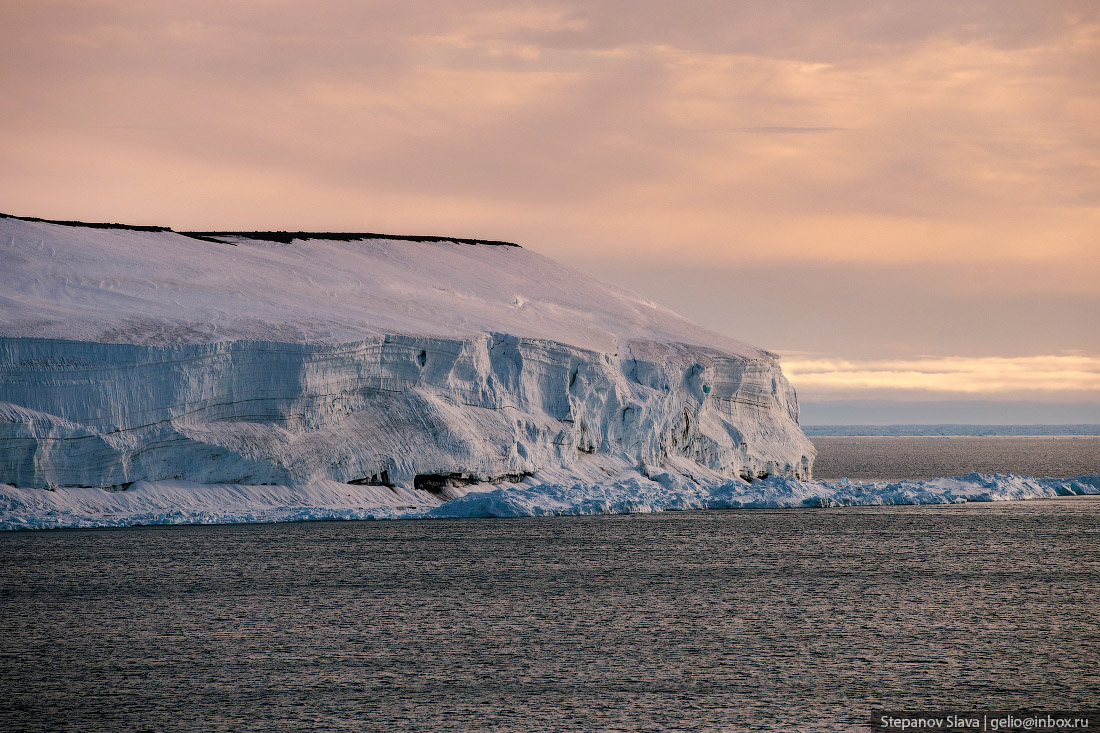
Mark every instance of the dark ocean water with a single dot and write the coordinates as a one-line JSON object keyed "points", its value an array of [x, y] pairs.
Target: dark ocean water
{"points": [[908, 457], [952, 429], [793, 620]]}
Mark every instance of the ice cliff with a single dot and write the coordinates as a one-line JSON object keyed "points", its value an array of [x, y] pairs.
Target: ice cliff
{"points": [[418, 364]]}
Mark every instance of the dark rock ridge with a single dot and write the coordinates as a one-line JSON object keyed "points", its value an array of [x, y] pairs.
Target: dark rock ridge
{"points": [[273, 236]]}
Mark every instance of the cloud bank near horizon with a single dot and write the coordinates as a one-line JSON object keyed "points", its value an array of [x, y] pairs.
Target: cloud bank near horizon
{"points": [[1066, 378]]}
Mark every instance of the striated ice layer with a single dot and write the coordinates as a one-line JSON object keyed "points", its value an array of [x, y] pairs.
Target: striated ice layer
{"points": [[149, 356], [382, 411], [174, 502]]}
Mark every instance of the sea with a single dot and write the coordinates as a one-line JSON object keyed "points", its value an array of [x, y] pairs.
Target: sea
{"points": [[872, 452], [741, 620]]}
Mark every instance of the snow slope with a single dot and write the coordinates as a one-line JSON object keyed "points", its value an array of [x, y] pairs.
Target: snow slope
{"points": [[162, 288], [150, 356]]}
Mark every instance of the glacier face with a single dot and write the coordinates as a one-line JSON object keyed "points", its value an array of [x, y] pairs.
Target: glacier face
{"points": [[424, 366]]}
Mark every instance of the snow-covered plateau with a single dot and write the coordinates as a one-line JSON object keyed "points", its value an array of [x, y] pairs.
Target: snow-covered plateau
{"points": [[149, 376]]}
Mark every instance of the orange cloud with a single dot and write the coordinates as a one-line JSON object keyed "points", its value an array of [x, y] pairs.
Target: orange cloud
{"points": [[956, 143], [987, 378]]}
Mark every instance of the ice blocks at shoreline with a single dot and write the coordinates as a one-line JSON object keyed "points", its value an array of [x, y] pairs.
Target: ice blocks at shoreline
{"points": [[170, 502]]}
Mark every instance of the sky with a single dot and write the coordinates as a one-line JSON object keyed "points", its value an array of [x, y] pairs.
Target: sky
{"points": [[901, 199]]}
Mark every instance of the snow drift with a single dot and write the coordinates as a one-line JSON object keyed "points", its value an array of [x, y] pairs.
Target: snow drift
{"points": [[416, 365]]}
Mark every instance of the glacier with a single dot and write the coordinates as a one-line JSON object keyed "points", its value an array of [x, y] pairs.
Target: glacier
{"points": [[418, 368], [155, 377]]}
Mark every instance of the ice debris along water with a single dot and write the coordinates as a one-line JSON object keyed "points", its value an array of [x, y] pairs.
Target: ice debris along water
{"points": [[294, 360], [177, 502]]}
